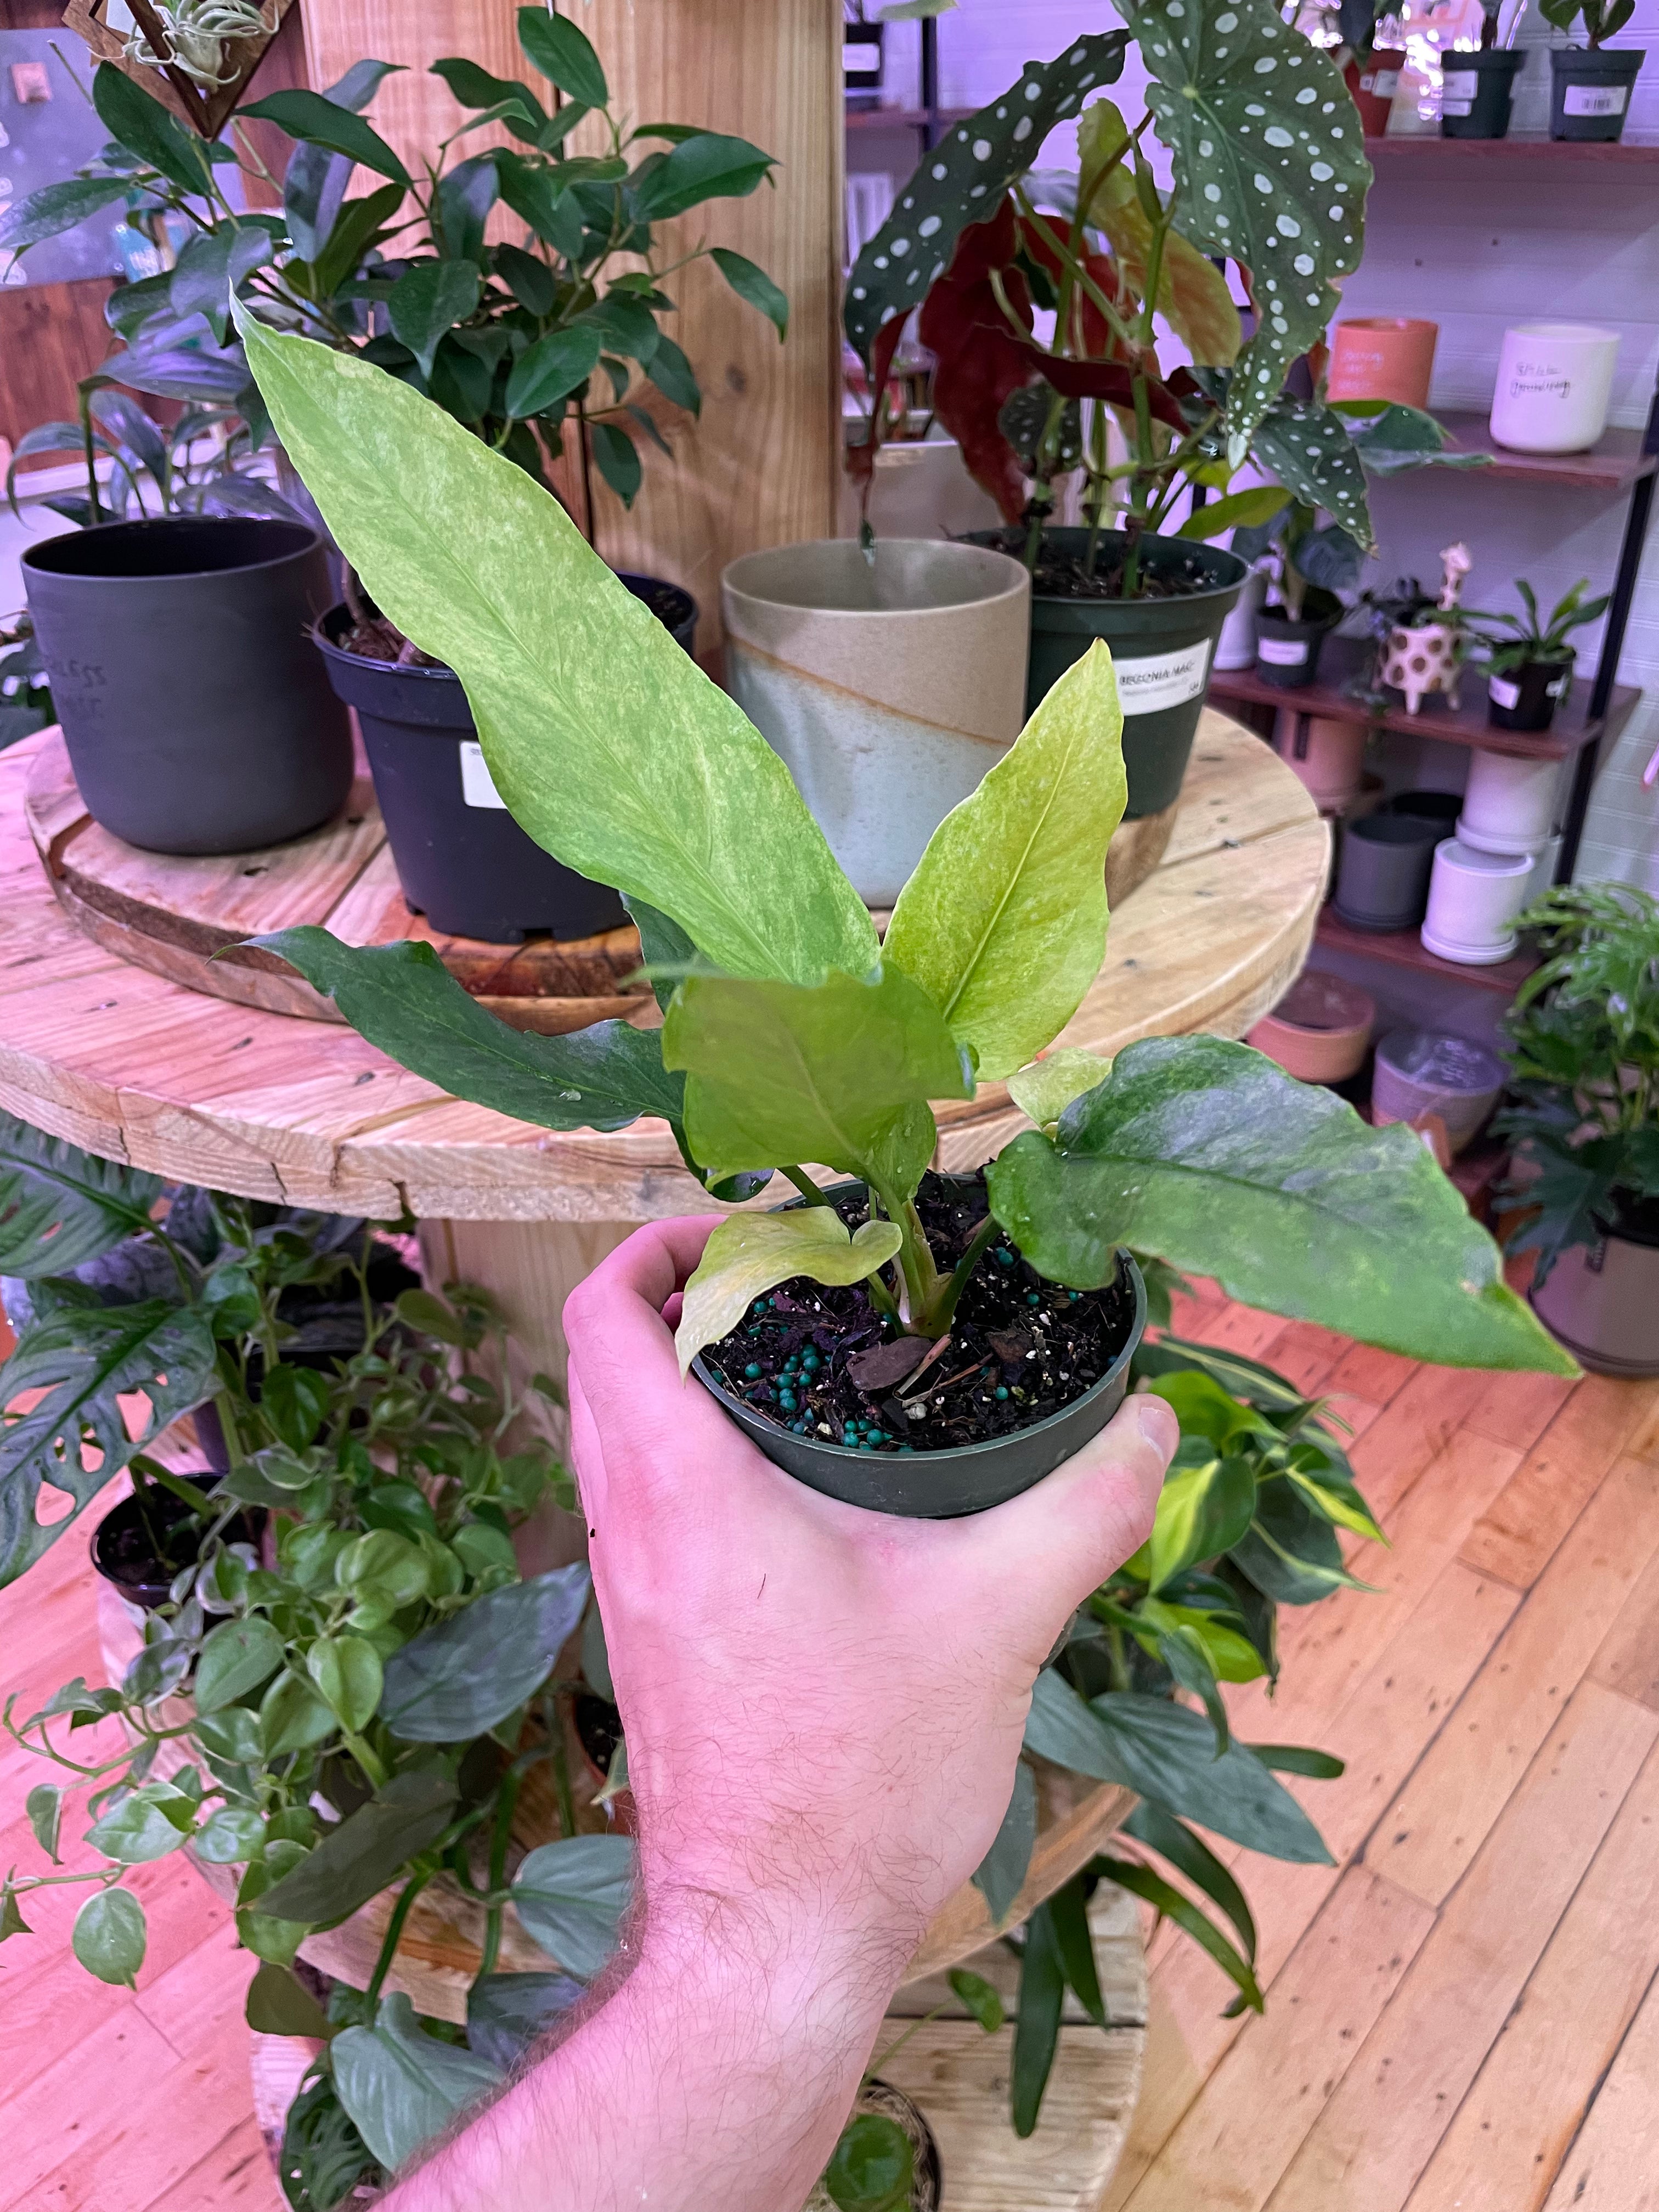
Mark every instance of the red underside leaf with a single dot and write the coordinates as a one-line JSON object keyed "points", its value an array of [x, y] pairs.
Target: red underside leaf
{"points": [[981, 360]]}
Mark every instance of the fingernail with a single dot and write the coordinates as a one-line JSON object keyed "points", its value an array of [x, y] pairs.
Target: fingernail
{"points": [[1158, 1422]]}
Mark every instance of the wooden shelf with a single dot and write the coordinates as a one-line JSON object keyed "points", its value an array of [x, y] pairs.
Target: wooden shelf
{"points": [[1614, 463], [1519, 146], [1573, 728], [1404, 948], [906, 118]]}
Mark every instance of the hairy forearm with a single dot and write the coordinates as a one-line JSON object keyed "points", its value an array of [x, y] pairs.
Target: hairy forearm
{"points": [[719, 2072]]}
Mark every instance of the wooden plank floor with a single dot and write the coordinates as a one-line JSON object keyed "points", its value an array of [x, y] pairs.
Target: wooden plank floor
{"points": [[1463, 2014]]}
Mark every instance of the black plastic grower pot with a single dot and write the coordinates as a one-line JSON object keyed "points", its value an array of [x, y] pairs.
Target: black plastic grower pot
{"points": [[1161, 647], [139, 1546], [197, 717], [1287, 652], [1589, 89], [1526, 698], [940, 1486], [1478, 91]]}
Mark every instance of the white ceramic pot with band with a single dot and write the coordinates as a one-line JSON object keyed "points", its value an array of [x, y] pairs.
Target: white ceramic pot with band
{"points": [[1473, 899], [1554, 386], [888, 689], [1509, 804]]}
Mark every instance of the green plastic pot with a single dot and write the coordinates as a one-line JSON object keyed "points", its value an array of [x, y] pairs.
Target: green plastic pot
{"points": [[940, 1486], [1163, 649]]}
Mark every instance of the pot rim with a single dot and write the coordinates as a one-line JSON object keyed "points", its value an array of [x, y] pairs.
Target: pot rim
{"points": [[154, 525], [1017, 585], [1188, 547], [443, 673]]}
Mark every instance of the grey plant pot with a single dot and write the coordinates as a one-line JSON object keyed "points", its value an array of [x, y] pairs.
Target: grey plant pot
{"points": [[1383, 876], [1593, 78]]}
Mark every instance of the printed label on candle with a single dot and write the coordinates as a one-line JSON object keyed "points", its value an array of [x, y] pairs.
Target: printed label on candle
{"points": [[478, 784], [1504, 694], [1458, 88], [1594, 99], [1282, 652], [1168, 680]]}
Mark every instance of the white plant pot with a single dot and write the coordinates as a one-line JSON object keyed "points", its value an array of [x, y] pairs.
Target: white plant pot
{"points": [[1509, 804], [888, 689], [922, 489], [1420, 1071], [1554, 386], [1601, 1301], [1543, 872], [1473, 898], [1236, 647]]}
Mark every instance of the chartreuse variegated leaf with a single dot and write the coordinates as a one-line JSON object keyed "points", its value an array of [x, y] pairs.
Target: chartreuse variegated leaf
{"points": [[1204, 1409], [1270, 171], [838, 1074], [400, 2085], [1203, 1510], [964, 178], [1136, 1876], [1047, 1086], [753, 1252], [1003, 922], [1205, 1154], [609, 744]]}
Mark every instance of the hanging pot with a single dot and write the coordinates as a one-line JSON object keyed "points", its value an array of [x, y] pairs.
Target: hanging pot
{"points": [[1590, 89]]}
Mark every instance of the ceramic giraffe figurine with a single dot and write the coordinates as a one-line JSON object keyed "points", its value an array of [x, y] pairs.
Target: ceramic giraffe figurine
{"points": [[1425, 658]]}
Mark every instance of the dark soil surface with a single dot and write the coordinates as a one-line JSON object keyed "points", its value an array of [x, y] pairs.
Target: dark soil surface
{"points": [[125, 1552], [599, 1725], [1062, 575], [377, 639], [1019, 1350]]}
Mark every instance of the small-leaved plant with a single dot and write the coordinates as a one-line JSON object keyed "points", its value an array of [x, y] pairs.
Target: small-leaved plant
{"points": [[1601, 18]]}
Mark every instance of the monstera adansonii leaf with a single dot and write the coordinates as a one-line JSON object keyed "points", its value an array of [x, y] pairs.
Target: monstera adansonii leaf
{"points": [[1270, 170]]}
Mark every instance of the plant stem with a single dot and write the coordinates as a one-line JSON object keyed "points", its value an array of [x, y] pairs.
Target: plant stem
{"points": [[942, 1312], [504, 1807], [562, 1786], [393, 1936], [804, 1184]]}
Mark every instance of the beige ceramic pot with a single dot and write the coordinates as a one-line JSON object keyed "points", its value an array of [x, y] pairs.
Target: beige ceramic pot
{"points": [[1601, 1301], [888, 687]]}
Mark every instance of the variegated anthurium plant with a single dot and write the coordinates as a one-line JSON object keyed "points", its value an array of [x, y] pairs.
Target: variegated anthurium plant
{"points": [[1268, 174]]}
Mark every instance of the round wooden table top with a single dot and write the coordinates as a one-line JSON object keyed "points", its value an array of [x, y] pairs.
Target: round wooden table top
{"points": [[138, 1067]]}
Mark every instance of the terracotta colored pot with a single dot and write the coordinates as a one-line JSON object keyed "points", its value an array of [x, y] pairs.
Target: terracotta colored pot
{"points": [[1328, 757], [1373, 84], [1383, 357], [1320, 1029]]}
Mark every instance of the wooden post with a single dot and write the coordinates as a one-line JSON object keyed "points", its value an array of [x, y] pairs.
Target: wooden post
{"points": [[760, 467]]}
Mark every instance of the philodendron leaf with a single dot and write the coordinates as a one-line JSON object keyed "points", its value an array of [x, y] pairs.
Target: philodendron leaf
{"points": [[1202, 1511], [1000, 1875], [753, 1252], [839, 1073], [463, 1677], [962, 181], [572, 1895], [1269, 168], [401, 2086], [610, 744], [356, 1860], [110, 1936], [872, 2166], [1003, 922], [1047, 1086], [60, 1205], [236, 1658], [402, 999], [1204, 1409], [1167, 1753], [1205, 1153], [506, 2013], [82, 1361]]}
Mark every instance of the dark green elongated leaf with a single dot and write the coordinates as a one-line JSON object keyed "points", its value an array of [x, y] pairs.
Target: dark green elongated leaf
{"points": [[552, 369], [1182, 1651], [964, 178], [110, 1936], [1239, 1377], [1167, 1753], [211, 266], [144, 127], [606, 740], [751, 283], [60, 1205], [316, 180], [475, 87], [673, 376], [57, 208], [464, 199], [619, 460], [529, 279], [1203, 1510], [1000, 1875], [571, 1896], [1310, 451], [236, 1658], [872, 2168], [83, 1361], [706, 167], [626, 323], [402, 2087], [45, 1807], [1139, 1879], [402, 999], [839, 1072], [1270, 169], [1190, 1855], [1207, 1154], [427, 300], [564, 55], [1300, 1758], [357, 1859], [277, 2004], [981, 1999], [463, 1677], [1068, 1917], [506, 2013], [551, 212], [1290, 1550], [318, 121], [1036, 2029]]}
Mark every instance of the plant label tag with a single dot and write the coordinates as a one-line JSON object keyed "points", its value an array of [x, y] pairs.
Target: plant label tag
{"points": [[1594, 99], [1504, 694], [1559, 689], [478, 784], [1168, 679], [1382, 84], [1282, 652], [1458, 88]]}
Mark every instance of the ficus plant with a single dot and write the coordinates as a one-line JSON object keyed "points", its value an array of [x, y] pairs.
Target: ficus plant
{"points": [[562, 319]]}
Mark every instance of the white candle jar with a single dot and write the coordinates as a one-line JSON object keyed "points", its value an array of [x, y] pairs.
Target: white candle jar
{"points": [[1554, 386]]}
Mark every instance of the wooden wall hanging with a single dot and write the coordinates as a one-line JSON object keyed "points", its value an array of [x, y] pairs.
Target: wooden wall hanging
{"points": [[204, 109]]}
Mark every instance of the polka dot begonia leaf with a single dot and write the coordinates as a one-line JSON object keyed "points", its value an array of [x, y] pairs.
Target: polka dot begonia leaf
{"points": [[964, 178], [1309, 449], [1270, 168]]}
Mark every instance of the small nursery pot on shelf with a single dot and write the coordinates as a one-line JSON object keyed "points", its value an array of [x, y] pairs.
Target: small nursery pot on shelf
{"points": [[1383, 875], [197, 717], [124, 1544], [1478, 92], [1421, 1072], [1473, 898], [888, 689], [1527, 698], [942, 1484], [1162, 646], [1373, 87], [1601, 1300], [1590, 90], [1508, 805], [1287, 652]]}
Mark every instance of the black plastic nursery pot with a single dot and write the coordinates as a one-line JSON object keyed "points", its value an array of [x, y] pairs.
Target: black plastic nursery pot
{"points": [[126, 1552], [1443, 807], [1478, 92], [1590, 90], [197, 716], [1287, 652], [1162, 644], [942, 1485], [1526, 698]]}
